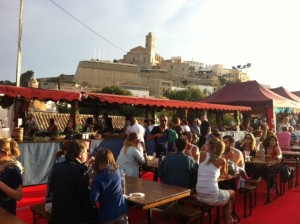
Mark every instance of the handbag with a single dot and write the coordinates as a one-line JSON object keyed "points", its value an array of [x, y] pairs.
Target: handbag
{"points": [[232, 168], [286, 172], [91, 213]]}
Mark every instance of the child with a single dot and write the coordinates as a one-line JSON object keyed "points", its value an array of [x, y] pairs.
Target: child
{"points": [[106, 189]]}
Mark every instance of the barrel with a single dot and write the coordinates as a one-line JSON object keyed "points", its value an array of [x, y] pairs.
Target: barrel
{"points": [[6, 133], [18, 134]]}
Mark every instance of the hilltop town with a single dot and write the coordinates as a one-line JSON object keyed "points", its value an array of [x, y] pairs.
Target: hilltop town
{"points": [[146, 73]]}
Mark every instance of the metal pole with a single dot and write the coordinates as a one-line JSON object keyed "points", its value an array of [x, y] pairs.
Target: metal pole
{"points": [[19, 55]]}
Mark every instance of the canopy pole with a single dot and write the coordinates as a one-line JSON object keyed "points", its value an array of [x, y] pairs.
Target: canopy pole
{"points": [[19, 55], [271, 119]]}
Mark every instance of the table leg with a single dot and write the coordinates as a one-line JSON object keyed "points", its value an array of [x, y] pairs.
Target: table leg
{"points": [[269, 176], [149, 215], [155, 176], [297, 171], [234, 214]]}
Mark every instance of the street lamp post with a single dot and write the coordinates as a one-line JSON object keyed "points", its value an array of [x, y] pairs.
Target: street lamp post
{"points": [[241, 67]]}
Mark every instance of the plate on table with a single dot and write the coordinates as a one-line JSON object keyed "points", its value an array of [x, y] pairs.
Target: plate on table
{"points": [[137, 195]]}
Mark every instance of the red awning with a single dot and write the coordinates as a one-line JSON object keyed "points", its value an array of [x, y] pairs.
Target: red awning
{"points": [[40, 94], [129, 100]]}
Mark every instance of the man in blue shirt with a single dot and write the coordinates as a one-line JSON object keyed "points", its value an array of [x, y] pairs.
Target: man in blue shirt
{"points": [[178, 169]]}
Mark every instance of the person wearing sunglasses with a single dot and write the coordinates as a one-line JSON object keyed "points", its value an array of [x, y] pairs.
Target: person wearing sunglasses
{"points": [[248, 144], [10, 175], [158, 134]]}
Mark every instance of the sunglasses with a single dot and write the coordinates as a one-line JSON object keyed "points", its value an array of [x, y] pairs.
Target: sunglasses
{"points": [[163, 120], [248, 138]]}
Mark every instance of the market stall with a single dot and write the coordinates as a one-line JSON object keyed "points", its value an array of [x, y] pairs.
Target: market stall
{"points": [[252, 94], [38, 156]]}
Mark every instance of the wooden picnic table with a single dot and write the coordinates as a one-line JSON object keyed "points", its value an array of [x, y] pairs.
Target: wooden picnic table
{"points": [[295, 148], [156, 194], [292, 157], [271, 165], [6, 217]]}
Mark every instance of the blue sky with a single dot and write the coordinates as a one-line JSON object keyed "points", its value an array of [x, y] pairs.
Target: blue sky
{"points": [[231, 32]]}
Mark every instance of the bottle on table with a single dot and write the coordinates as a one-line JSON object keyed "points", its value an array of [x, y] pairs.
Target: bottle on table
{"points": [[123, 180], [262, 154]]}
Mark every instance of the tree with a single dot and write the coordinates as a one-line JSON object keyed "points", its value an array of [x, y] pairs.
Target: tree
{"points": [[189, 94], [25, 77], [223, 80], [115, 90], [185, 82], [7, 83]]}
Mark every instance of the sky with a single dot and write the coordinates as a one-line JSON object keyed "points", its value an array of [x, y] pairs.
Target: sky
{"points": [[264, 33]]}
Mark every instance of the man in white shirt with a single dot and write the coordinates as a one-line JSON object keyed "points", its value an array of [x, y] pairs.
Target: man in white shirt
{"points": [[136, 128]]}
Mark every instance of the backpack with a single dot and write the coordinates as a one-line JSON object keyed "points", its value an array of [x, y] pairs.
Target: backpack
{"points": [[172, 136], [286, 172]]}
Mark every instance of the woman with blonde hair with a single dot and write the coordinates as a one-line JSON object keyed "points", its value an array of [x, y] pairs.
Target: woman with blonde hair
{"points": [[211, 166], [106, 189], [130, 156], [10, 175], [248, 144]]}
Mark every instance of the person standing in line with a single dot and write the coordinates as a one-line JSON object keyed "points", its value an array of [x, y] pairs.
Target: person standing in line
{"points": [[10, 175], [205, 129], [69, 183], [211, 166], [106, 189]]}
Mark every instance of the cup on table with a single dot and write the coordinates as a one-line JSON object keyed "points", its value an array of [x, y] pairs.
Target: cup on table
{"points": [[247, 156]]}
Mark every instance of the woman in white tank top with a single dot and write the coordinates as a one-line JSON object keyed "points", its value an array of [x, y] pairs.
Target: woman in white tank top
{"points": [[211, 165]]}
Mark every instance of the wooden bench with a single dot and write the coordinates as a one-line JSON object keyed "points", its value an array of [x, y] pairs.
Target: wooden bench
{"points": [[204, 208], [39, 214], [182, 213], [8, 218], [253, 182], [248, 190]]}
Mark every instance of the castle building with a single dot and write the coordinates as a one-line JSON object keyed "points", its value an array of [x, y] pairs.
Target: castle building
{"points": [[145, 57], [145, 73]]}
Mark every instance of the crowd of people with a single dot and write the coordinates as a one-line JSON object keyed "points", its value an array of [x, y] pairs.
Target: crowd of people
{"points": [[195, 156]]}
